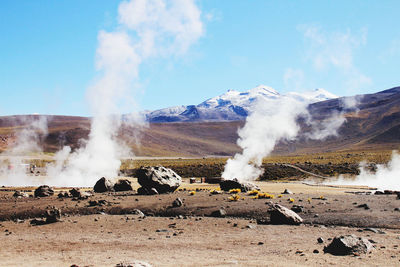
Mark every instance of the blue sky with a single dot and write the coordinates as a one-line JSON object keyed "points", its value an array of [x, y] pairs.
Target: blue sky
{"points": [[47, 52]]}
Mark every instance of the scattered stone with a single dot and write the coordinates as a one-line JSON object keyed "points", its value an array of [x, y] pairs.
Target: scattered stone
{"points": [[146, 191], [320, 240], [315, 251], [177, 203], [123, 185], [260, 243], [53, 215], [219, 213], [365, 206], [396, 209], [63, 195], [297, 208], [134, 264], [138, 213], [282, 215], [19, 194], [103, 185], [287, 191], [316, 215], [162, 179], [376, 231], [75, 192], [250, 226], [227, 185], [44, 191], [348, 245]]}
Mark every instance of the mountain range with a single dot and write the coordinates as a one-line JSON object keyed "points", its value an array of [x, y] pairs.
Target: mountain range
{"points": [[231, 106], [373, 125]]}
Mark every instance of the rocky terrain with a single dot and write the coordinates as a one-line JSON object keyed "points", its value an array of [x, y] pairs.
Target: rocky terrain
{"points": [[205, 226]]}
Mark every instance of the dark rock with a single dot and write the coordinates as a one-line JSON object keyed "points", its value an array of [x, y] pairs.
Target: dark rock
{"points": [[63, 195], [297, 208], [218, 213], [376, 231], [123, 185], [315, 251], [19, 194], [44, 191], [138, 213], [162, 179], [100, 202], [177, 203], [282, 215], [227, 185], [320, 240], [287, 191], [103, 185], [75, 192], [365, 206], [147, 191], [348, 245], [53, 215]]}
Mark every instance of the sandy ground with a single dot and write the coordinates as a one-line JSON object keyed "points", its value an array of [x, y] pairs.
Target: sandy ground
{"points": [[112, 239], [108, 235]]}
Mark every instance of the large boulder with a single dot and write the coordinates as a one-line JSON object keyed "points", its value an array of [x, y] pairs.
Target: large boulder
{"points": [[162, 179], [44, 191], [227, 185], [281, 215], [348, 245], [53, 215], [103, 185], [123, 185]]}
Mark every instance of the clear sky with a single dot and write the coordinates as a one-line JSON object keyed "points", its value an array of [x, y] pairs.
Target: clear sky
{"points": [[47, 52]]}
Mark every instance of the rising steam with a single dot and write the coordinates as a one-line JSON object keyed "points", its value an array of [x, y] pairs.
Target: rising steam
{"points": [[147, 28], [270, 122], [14, 169]]}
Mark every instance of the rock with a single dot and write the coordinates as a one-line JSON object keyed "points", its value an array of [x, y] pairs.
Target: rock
{"points": [[138, 213], [365, 206], [297, 208], [320, 240], [287, 191], [63, 195], [315, 251], [162, 179], [44, 191], [123, 185], [282, 215], [177, 203], [75, 192], [227, 185], [19, 194], [348, 245], [103, 185], [53, 215], [219, 213], [398, 195], [134, 264], [376, 231], [146, 191]]}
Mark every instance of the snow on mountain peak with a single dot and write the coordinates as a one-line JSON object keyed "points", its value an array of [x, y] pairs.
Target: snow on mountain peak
{"points": [[232, 105]]}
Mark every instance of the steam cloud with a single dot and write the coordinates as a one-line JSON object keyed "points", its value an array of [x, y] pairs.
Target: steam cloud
{"points": [[13, 169], [270, 122], [385, 177], [147, 28]]}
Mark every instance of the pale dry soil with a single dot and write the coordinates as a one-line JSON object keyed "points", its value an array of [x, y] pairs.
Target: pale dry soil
{"points": [[101, 239], [105, 240]]}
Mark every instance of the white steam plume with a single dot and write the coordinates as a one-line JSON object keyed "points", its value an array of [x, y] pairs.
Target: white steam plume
{"points": [[147, 28], [270, 122], [386, 177], [14, 170]]}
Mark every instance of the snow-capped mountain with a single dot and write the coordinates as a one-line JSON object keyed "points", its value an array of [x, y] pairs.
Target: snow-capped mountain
{"points": [[232, 105]]}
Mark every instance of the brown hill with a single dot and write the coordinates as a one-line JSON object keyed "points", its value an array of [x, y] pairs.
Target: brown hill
{"points": [[376, 125]]}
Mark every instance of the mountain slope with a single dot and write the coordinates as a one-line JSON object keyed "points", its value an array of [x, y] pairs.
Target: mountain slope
{"points": [[376, 125], [231, 106]]}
